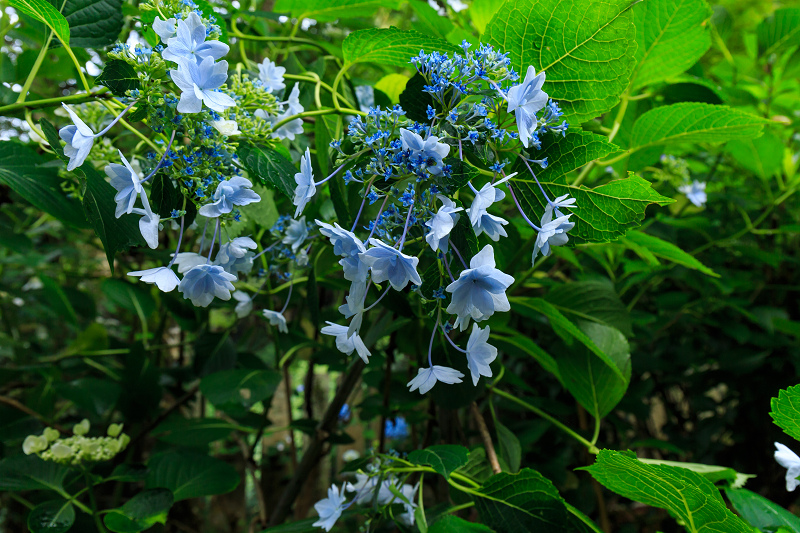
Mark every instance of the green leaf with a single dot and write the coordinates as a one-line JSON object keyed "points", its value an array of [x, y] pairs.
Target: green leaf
{"points": [[508, 340], [116, 234], [329, 10], [778, 31], [194, 432], [141, 512], [687, 495], [760, 512], [667, 250], [390, 46], [392, 85], [415, 101], [93, 23], [443, 458], [242, 387], [44, 11], [762, 155], [165, 196], [190, 475], [268, 167], [510, 448], [713, 473], [55, 516], [51, 135], [22, 170], [565, 154], [118, 76], [429, 21], [563, 327], [604, 213], [586, 48], [482, 11], [521, 503], [452, 524], [594, 300], [29, 472], [129, 296], [785, 411], [596, 385], [672, 35], [693, 122]]}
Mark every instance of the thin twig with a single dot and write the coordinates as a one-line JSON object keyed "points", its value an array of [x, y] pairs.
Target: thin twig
{"points": [[28, 411], [486, 438]]}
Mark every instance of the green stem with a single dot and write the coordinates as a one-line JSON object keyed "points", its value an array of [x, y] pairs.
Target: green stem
{"points": [[623, 107], [236, 33], [35, 69], [98, 522], [591, 447], [48, 102], [317, 112], [461, 507]]}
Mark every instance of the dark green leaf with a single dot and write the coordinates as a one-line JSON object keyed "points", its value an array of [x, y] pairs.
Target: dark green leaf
{"points": [[190, 475], [452, 524], [565, 154], [29, 472], [194, 432], [165, 196], [55, 516], [443, 458], [21, 169], [762, 155], [667, 250], [509, 446], [93, 23], [118, 76], [604, 213], [243, 388], [141, 512], [116, 234], [760, 512], [586, 48], [594, 300], [390, 46], [268, 167], [779, 31], [687, 495], [415, 101]]}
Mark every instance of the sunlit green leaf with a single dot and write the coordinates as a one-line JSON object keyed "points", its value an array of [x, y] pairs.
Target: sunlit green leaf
{"points": [[390, 46]]}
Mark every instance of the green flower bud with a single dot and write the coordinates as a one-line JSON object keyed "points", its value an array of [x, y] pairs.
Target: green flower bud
{"points": [[34, 444], [114, 430], [61, 451], [51, 434], [81, 428]]}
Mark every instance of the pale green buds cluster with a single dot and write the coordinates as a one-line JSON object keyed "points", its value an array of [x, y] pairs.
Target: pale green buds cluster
{"points": [[77, 449]]}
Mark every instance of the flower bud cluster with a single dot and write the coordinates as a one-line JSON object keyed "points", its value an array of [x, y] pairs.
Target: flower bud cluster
{"points": [[78, 449]]}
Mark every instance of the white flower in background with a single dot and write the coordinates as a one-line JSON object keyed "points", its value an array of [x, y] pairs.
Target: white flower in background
{"points": [[271, 76], [226, 127], [276, 319], [244, 304], [427, 377], [162, 277], [791, 462], [296, 234], [306, 188], [330, 508], [165, 29], [695, 192], [345, 342]]}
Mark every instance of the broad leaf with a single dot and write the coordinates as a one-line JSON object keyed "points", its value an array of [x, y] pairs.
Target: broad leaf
{"points": [[713, 473], [329, 10], [671, 36], [509, 446], [452, 524], [569, 332], [594, 300], [55, 516], [22, 170], [165, 197], [666, 250], [687, 495], [190, 475], [586, 48], [482, 11], [760, 512], [29, 472], [785, 411], [141, 512], [116, 234], [510, 340], [604, 213], [443, 458], [241, 388], [565, 154], [118, 76], [195, 432], [392, 85], [521, 503], [762, 155], [44, 11], [693, 122], [779, 31], [390, 46], [596, 385], [93, 23], [268, 167]]}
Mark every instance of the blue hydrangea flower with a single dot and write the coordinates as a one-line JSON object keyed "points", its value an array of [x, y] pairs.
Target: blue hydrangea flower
{"points": [[162, 277], [345, 342], [409, 492], [442, 223], [296, 234], [235, 191], [552, 233], [396, 429], [190, 45], [235, 256], [366, 486], [306, 188], [79, 138], [271, 76], [293, 102], [164, 28], [479, 291], [127, 183], [244, 305], [347, 245], [390, 264], [330, 508], [288, 131], [427, 377], [695, 192], [480, 353], [480, 218], [203, 283], [198, 84], [276, 319], [185, 261], [430, 150], [525, 100]]}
